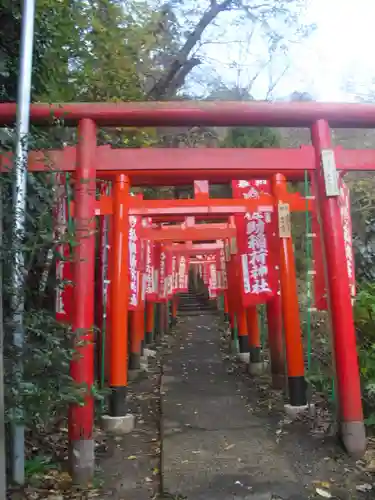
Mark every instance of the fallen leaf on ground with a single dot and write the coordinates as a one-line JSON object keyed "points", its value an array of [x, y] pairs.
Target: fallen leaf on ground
{"points": [[364, 488], [321, 484], [323, 493], [371, 465]]}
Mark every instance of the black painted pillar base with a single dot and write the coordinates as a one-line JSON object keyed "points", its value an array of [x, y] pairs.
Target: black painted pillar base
{"points": [[255, 354], [148, 338], [297, 391], [118, 406], [157, 322], [163, 319], [142, 346], [166, 318], [226, 317], [243, 343], [134, 361]]}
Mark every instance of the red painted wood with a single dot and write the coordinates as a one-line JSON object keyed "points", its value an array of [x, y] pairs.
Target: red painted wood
{"points": [[194, 113]]}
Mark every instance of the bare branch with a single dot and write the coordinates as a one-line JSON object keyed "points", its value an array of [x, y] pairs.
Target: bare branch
{"points": [[276, 81], [159, 90], [179, 79]]}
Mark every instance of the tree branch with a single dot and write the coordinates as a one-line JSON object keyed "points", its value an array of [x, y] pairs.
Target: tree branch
{"points": [[275, 82], [161, 87], [179, 79]]}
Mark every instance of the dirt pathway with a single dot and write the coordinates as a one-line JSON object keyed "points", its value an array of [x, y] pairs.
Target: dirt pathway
{"points": [[129, 468], [225, 436], [206, 430]]}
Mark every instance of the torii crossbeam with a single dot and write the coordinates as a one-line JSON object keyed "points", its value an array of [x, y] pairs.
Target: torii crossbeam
{"points": [[158, 166]]}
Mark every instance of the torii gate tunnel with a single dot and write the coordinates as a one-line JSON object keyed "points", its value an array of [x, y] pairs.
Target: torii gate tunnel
{"points": [[139, 167]]}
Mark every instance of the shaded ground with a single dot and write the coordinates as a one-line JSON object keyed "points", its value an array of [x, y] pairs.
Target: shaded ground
{"points": [[207, 430], [225, 435], [129, 469]]}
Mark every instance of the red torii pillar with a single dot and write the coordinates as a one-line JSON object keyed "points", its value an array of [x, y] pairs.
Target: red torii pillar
{"points": [[352, 429], [81, 417], [275, 340], [119, 420], [290, 311]]}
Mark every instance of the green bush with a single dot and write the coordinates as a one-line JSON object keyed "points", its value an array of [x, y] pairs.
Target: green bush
{"points": [[365, 324]]}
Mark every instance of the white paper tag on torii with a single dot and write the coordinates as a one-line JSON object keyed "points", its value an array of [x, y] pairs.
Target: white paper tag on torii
{"points": [[233, 246], [330, 172], [285, 227], [227, 250]]}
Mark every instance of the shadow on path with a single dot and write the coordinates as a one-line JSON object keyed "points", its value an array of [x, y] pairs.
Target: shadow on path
{"points": [[219, 444]]}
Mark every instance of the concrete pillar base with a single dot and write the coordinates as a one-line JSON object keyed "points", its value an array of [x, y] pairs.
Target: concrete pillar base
{"points": [[144, 364], [353, 437], [244, 357], [293, 412], [82, 461], [118, 425], [257, 368], [149, 353]]}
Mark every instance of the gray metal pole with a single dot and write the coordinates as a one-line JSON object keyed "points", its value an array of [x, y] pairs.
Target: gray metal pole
{"points": [[19, 205]]}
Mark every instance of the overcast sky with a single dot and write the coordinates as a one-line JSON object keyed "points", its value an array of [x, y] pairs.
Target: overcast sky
{"points": [[340, 50]]}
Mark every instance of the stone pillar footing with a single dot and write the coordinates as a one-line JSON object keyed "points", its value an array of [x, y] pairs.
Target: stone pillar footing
{"points": [[257, 368], [293, 412], [149, 353], [82, 461], [244, 357], [144, 364], [118, 425], [353, 437]]}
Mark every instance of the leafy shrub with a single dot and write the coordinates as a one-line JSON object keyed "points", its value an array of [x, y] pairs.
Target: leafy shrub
{"points": [[365, 323], [38, 386]]}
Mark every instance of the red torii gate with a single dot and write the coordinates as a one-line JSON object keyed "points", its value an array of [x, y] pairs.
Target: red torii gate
{"points": [[199, 232], [152, 166], [321, 160]]}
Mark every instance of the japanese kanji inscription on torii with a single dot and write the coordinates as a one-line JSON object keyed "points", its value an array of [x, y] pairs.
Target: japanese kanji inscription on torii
{"points": [[256, 241], [134, 261]]}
